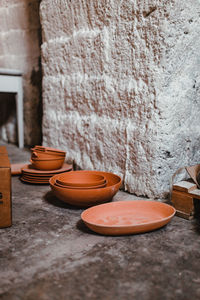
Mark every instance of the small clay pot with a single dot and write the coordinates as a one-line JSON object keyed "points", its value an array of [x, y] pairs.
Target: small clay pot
{"points": [[81, 179]]}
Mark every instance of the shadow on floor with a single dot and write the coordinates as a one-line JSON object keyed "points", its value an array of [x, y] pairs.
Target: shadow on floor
{"points": [[51, 199], [196, 215], [80, 225]]}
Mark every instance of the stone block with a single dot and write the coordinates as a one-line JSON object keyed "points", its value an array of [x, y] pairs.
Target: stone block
{"points": [[20, 62], [133, 67], [19, 42], [10, 3], [93, 146], [22, 16], [66, 17]]}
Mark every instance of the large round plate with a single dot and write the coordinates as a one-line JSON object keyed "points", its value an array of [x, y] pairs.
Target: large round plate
{"points": [[31, 175], [33, 181], [127, 217], [37, 175], [30, 170]]}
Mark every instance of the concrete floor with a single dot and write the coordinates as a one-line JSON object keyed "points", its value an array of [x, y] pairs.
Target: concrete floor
{"points": [[48, 253]]}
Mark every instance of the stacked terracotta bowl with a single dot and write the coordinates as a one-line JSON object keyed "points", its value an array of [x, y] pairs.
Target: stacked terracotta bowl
{"points": [[85, 188], [45, 158], [45, 162]]}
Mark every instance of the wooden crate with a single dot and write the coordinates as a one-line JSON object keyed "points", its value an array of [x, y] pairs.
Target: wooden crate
{"points": [[186, 199], [5, 189]]}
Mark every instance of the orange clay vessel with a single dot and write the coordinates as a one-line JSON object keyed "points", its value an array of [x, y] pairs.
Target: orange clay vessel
{"points": [[48, 164], [81, 179], [29, 169], [127, 217], [82, 187], [87, 197]]}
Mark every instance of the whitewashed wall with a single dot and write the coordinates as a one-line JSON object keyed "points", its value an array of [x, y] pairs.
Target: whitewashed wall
{"points": [[121, 86]]}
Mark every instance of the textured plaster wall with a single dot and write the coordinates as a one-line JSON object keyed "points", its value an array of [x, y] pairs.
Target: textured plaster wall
{"points": [[20, 39], [121, 86]]}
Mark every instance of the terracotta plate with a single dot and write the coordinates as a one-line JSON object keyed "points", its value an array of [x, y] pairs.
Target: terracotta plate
{"points": [[33, 181], [29, 169], [127, 217], [36, 176]]}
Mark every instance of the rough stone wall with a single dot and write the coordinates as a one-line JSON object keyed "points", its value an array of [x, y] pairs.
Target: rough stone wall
{"points": [[121, 86], [20, 39]]}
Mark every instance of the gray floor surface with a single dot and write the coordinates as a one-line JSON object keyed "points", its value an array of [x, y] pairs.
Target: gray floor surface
{"points": [[48, 253]]}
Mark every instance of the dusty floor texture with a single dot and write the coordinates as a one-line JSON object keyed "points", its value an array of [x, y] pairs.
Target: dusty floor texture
{"points": [[49, 254]]}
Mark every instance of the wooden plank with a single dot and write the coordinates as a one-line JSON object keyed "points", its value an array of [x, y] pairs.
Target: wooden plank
{"points": [[16, 169], [184, 186], [184, 215], [193, 171], [195, 193], [3, 150], [5, 190]]}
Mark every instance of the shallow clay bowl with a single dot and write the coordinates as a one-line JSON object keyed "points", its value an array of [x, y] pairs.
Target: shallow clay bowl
{"points": [[48, 150], [81, 179], [45, 165], [127, 217], [45, 155], [88, 197], [44, 148], [64, 186]]}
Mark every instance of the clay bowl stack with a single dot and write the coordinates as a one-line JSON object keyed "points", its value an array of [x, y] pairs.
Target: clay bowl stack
{"points": [[85, 188], [45, 162], [45, 158]]}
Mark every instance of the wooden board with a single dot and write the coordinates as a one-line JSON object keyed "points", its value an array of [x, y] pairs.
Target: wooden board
{"points": [[184, 215], [195, 193], [193, 171], [184, 186], [5, 189], [16, 169]]}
